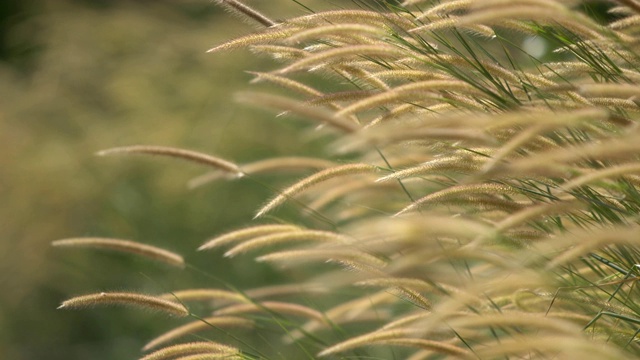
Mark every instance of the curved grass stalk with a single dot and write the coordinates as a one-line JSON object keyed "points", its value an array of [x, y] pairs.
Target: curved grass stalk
{"points": [[404, 109], [339, 30], [515, 320], [515, 143], [534, 211], [351, 70], [204, 295], [279, 238], [277, 32], [341, 97], [192, 348], [279, 52], [407, 93], [278, 164], [349, 16], [411, 74], [585, 242], [445, 61], [627, 22], [286, 163], [277, 307], [242, 234], [395, 337], [364, 340], [349, 311], [573, 21], [339, 54], [453, 22], [409, 288], [378, 137], [439, 347], [177, 153], [607, 150], [550, 345], [213, 357], [459, 190], [129, 299], [212, 322], [287, 290], [298, 108], [219, 296], [340, 191], [246, 12], [346, 256], [630, 5], [612, 103], [443, 9], [415, 228], [598, 175], [300, 186], [446, 164], [127, 246], [285, 83], [610, 90]]}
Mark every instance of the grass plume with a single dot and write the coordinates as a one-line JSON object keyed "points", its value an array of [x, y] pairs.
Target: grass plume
{"points": [[212, 322], [192, 348], [330, 173], [127, 246], [246, 12], [189, 155], [128, 299]]}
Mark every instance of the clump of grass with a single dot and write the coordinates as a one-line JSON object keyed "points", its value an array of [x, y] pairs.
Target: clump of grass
{"points": [[489, 196]]}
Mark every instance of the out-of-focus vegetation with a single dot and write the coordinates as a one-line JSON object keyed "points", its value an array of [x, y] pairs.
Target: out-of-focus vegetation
{"points": [[80, 76]]}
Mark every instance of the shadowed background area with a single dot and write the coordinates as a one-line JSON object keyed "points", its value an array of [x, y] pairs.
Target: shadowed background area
{"points": [[81, 76]]}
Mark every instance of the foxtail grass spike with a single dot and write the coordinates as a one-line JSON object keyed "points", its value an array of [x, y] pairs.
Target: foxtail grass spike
{"points": [[128, 299], [126, 246]]}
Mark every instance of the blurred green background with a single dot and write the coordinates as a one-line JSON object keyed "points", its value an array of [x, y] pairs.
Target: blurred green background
{"points": [[80, 76]]}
